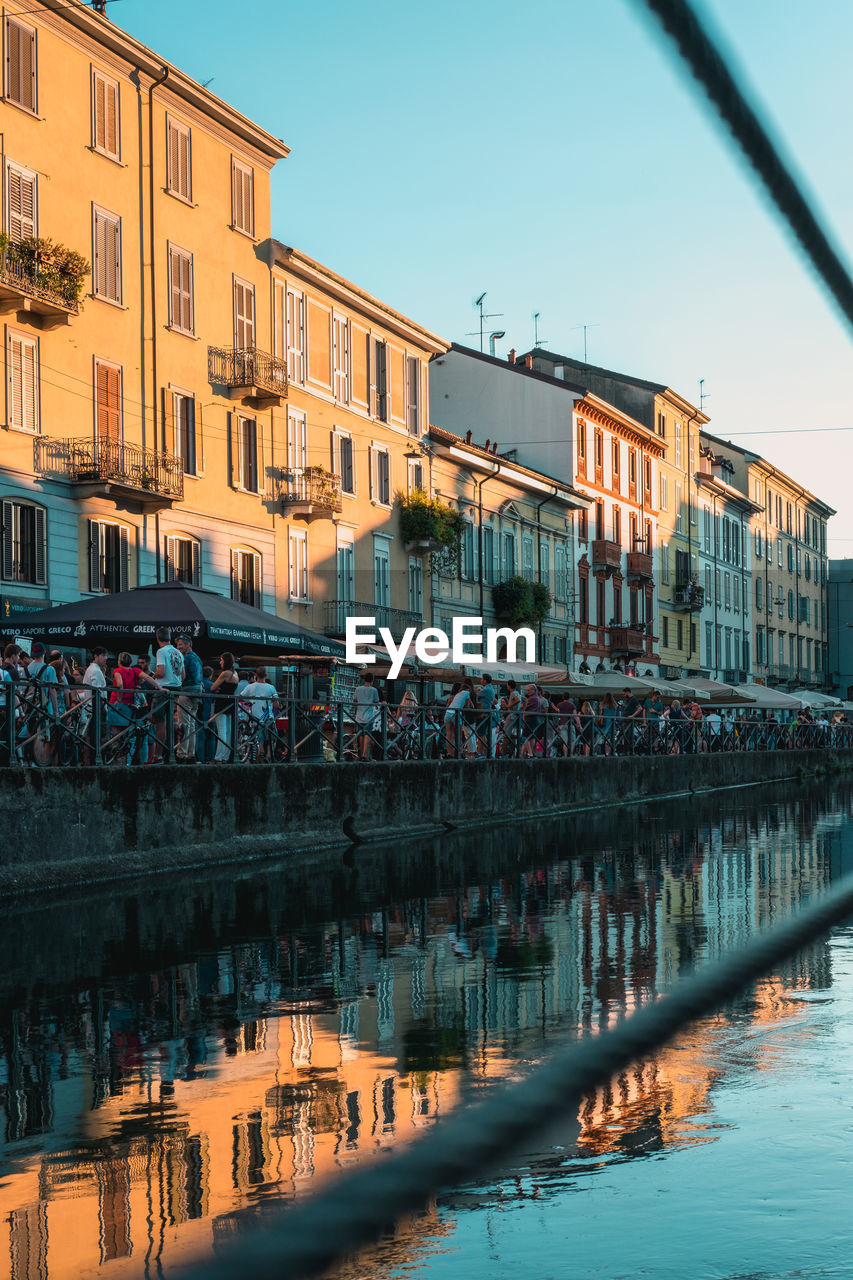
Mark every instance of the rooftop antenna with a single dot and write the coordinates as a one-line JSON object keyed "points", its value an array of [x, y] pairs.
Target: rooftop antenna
{"points": [[100, 6], [584, 327], [536, 338], [484, 315], [703, 395]]}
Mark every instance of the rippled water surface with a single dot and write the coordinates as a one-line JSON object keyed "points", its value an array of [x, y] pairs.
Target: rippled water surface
{"points": [[175, 1060]]}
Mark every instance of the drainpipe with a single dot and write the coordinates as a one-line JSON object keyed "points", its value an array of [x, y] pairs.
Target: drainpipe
{"points": [[716, 595], [479, 483], [547, 498], [152, 268]]}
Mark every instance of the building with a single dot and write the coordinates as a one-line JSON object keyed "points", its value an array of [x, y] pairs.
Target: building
{"points": [[138, 429], [677, 423], [348, 448], [565, 431], [790, 636], [840, 619]]}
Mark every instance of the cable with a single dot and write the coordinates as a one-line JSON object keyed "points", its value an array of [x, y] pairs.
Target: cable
{"points": [[708, 66], [54, 8], [358, 1208]]}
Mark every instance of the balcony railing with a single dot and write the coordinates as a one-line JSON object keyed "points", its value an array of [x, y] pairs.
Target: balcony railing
{"points": [[606, 555], [639, 564], [247, 372], [689, 596], [37, 290], [396, 620], [107, 465], [627, 640], [312, 492]]}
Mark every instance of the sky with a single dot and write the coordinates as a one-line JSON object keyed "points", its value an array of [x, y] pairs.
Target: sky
{"points": [[559, 157]]}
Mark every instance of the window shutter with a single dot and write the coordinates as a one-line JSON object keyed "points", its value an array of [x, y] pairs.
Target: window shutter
{"points": [[171, 559], [233, 459], [111, 145], [235, 575], [95, 581], [371, 483], [244, 315], [199, 438], [123, 558], [8, 540], [196, 562], [21, 64], [168, 412], [22, 383], [22, 204], [186, 286], [260, 455], [185, 164], [108, 395]]}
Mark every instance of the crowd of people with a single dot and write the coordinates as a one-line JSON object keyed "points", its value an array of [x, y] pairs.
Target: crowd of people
{"points": [[173, 707]]}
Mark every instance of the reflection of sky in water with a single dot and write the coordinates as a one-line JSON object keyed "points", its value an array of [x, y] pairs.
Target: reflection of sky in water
{"points": [[148, 1116]]}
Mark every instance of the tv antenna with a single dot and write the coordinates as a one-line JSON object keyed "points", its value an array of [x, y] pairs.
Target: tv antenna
{"points": [[584, 327], [536, 338], [484, 316], [703, 395]]}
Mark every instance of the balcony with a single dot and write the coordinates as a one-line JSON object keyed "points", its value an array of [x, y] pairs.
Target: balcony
{"points": [[25, 288], [688, 596], [606, 555], [111, 469], [640, 565], [779, 673], [248, 374], [627, 640], [396, 620], [312, 493]]}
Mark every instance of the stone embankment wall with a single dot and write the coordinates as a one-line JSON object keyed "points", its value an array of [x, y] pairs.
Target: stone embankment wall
{"points": [[79, 826]]}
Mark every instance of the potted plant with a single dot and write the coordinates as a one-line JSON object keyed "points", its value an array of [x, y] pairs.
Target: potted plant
{"points": [[517, 600], [430, 525]]}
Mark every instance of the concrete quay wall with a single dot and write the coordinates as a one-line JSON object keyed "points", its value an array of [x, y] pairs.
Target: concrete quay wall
{"points": [[65, 827]]}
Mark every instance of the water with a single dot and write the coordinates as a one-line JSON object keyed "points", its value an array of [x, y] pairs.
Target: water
{"points": [[175, 1058]]}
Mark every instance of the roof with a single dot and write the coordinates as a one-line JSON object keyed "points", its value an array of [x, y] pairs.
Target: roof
{"points": [[519, 368], [449, 438], [755, 459], [583, 367], [288, 257]]}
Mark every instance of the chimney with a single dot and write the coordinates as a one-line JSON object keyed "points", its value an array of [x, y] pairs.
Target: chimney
{"points": [[528, 361], [495, 447], [511, 356], [468, 435], [487, 445]]}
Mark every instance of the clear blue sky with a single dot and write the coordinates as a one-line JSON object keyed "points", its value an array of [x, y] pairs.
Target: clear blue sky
{"points": [[558, 157]]}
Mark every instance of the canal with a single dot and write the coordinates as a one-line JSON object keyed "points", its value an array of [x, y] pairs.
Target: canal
{"points": [[176, 1058]]}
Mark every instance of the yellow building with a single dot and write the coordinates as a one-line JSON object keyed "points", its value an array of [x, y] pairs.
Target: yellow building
{"points": [[347, 445], [137, 426]]}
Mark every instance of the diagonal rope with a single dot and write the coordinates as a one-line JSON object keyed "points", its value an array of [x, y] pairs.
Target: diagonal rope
{"points": [[358, 1208], [680, 22]]}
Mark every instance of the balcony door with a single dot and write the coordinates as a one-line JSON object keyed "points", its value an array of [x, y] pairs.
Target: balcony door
{"points": [[381, 579], [297, 451], [244, 315]]}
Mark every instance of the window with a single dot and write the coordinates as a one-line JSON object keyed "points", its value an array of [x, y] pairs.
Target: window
{"points": [[415, 471], [545, 564], [598, 453], [759, 593], [247, 462], [182, 560], [679, 634], [805, 609], [679, 515], [790, 558], [664, 493], [727, 586], [413, 395], [244, 315], [488, 536], [581, 448], [109, 556], [527, 571], [295, 324], [181, 290], [378, 371], [21, 65], [467, 548], [246, 577], [106, 273], [508, 554], [344, 464], [106, 133], [345, 566], [24, 543], [759, 544], [677, 434], [664, 566], [297, 446], [183, 430], [647, 482], [617, 525], [242, 197], [583, 525], [108, 401], [709, 593], [21, 203], [791, 605], [341, 358], [691, 502], [632, 473], [661, 424], [560, 571], [22, 382], [381, 571], [807, 568], [179, 181], [709, 645], [416, 585], [665, 631], [616, 465], [599, 519], [736, 593], [706, 527], [297, 564], [380, 476]]}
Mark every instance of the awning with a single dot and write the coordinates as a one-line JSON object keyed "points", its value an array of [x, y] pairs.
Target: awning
{"points": [[769, 699]]}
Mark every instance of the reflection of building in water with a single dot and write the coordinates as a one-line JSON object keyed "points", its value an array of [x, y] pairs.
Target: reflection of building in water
{"points": [[168, 1106]]}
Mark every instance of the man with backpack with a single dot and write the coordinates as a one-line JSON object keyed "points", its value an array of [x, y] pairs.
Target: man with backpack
{"points": [[44, 704], [189, 702]]}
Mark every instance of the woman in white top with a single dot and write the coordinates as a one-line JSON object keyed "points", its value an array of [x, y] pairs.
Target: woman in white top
{"points": [[262, 698], [461, 696]]}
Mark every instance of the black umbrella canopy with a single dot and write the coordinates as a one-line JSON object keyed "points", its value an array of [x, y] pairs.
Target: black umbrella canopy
{"points": [[130, 618]]}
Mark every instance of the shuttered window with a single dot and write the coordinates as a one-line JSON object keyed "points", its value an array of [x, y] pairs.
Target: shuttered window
{"points": [[107, 401], [183, 558], [106, 136], [21, 65], [22, 382], [109, 556], [181, 290], [21, 203], [248, 449], [246, 578], [24, 543], [380, 476], [298, 565], [183, 434], [242, 197], [107, 270], [179, 177], [295, 312], [244, 315], [413, 372]]}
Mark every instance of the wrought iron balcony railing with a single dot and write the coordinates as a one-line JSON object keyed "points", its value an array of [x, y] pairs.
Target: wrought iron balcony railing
{"points": [[396, 620], [111, 464], [689, 596], [248, 371], [312, 492], [38, 290]]}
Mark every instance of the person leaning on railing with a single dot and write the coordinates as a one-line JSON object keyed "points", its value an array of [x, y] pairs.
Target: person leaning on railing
{"points": [[223, 690]]}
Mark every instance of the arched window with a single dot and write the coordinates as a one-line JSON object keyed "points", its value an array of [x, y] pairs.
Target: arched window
{"points": [[246, 581], [183, 559]]}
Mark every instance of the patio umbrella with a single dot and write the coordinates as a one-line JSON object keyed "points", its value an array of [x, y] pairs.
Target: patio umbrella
{"points": [[811, 698], [769, 699], [128, 619], [716, 692]]}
